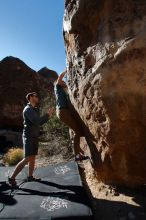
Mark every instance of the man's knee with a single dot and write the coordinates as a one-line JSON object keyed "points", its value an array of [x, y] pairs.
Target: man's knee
{"points": [[30, 158]]}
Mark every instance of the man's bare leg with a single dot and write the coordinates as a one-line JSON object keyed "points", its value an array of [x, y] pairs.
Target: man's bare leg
{"points": [[19, 167], [31, 165], [31, 170], [77, 148]]}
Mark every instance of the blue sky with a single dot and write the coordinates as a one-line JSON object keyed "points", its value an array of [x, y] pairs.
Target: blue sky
{"points": [[32, 31]]}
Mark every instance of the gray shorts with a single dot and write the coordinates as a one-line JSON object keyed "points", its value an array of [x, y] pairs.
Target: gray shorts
{"points": [[30, 146]]}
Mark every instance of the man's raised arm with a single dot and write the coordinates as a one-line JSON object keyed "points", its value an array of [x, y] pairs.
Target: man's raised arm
{"points": [[59, 80]]}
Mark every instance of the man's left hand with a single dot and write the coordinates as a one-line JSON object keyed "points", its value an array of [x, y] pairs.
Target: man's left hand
{"points": [[51, 111]]}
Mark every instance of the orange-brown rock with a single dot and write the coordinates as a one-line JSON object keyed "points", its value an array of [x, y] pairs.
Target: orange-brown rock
{"points": [[106, 62]]}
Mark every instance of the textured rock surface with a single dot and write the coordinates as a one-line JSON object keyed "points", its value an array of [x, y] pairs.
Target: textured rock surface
{"points": [[106, 52], [16, 80]]}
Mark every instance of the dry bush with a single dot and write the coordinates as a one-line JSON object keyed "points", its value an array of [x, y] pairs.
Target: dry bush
{"points": [[13, 156]]}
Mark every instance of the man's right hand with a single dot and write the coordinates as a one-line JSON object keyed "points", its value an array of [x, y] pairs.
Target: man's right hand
{"points": [[51, 111]]}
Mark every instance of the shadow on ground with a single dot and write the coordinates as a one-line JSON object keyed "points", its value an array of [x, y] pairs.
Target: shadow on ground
{"points": [[108, 209]]}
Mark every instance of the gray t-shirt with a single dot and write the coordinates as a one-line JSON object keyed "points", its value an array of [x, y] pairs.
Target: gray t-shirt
{"points": [[32, 121]]}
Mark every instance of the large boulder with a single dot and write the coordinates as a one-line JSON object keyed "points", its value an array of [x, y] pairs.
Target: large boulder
{"points": [[106, 52], [16, 80]]}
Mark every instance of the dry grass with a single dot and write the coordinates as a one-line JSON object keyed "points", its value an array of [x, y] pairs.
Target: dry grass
{"points": [[13, 156]]}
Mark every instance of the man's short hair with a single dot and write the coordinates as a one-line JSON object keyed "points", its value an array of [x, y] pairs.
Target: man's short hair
{"points": [[31, 94]]}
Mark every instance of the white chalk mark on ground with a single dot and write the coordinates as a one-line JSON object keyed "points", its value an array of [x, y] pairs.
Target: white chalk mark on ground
{"points": [[61, 169], [50, 204]]}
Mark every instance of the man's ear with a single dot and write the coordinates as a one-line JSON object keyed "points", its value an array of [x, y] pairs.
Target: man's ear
{"points": [[55, 82]]}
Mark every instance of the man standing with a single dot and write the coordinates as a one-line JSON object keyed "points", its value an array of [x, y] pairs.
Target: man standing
{"points": [[64, 113], [31, 131]]}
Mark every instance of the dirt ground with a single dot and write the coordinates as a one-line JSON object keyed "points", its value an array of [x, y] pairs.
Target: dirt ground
{"points": [[112, 202]]}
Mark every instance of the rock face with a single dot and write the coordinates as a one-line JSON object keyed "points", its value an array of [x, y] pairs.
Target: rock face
{"points": [[16, 80], [106, 52]]}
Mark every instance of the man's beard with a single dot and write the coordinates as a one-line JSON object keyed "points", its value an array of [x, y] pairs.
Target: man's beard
{"points": [[37, 104]]}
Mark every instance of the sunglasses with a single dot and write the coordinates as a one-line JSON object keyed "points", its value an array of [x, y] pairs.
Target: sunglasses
{"points": [[35, 96]]}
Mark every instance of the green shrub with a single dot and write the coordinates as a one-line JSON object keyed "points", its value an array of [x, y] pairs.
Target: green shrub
{"points": [[55, 139], [54, 127]]}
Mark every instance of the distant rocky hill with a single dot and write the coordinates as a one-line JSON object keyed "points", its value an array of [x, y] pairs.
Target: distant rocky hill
{"points": [[49, 75], [16, 80]]}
